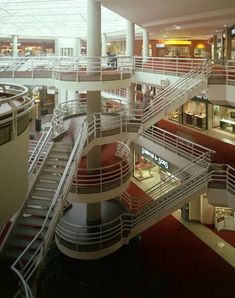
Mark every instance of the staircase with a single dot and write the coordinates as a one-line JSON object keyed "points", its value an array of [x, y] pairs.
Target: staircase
{"points": [[173, 96], [35, 210], [29, 237]]}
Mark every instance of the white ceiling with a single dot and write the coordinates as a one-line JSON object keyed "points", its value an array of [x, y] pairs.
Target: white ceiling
{"points": [[162, 18], [177, 18]]}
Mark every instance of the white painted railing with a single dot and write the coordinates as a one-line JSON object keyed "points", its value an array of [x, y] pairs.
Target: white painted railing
{"points": [[107, 177], [163, 65], [82, 68], [23, 268], [40, 151], [14, 106], [127, 225], [176, 144], [222, 176], [222, 72]]}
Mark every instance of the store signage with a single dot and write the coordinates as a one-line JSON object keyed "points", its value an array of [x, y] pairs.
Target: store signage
{"points": [[202, 96], [160, 45], [154, 157]]}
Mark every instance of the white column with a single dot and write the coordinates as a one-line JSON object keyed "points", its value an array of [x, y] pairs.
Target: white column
{"points": [[14, 45], [93, 210], [145, 53], [78, 44], [130, 94], [57, 52], [104, 47], [145, 43], [93, 28], [130, 38]]}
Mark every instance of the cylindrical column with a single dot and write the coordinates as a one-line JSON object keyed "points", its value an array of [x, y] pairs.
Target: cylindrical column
{"points": [[228, 44], [93, 28], [131, 94], [78, 44], [145, 43], [93, 97], [14, 45], [56, 47], [104, 47], [130, 38], [215, 56]]}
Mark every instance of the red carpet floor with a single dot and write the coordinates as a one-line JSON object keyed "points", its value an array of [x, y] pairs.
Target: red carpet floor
{"points": [[190, 267], [228, 236]]}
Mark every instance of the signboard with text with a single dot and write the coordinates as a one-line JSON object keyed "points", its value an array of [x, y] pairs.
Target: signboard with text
{"points": [[156, 159]]}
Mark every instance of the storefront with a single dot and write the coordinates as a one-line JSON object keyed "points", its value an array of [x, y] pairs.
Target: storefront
{"points": [[183, 48], [224, 118], [148, 165], [28, 47], [193, 113], [224, 218]]}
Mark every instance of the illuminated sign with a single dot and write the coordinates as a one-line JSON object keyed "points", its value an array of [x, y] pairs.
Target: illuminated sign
{"points": [[160, 45], [178, 42], [161, 162], [233, 31]]}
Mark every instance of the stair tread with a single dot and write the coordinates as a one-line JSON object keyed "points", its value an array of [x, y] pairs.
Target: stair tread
{"points": [[47, 177], [48, 169], [31, 220], [23, 242], [27, 232], [36, 211], [38, 202]]}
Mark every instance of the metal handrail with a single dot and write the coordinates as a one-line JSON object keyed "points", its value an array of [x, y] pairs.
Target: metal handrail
{"points": [[64, 182], [39, 149]]}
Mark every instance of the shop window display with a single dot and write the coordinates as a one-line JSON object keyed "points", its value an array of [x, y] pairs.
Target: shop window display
{"points": [[224, 219], [143, 168], [224, 118], [194, 114], [176, 115]]}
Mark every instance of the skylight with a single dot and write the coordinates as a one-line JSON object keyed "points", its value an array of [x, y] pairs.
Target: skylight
{"points": [[52, 18]]}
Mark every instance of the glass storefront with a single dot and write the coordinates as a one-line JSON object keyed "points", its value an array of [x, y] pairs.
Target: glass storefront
{"points": [[224, 218], [148, 165], [193, 113], [224, 118]]}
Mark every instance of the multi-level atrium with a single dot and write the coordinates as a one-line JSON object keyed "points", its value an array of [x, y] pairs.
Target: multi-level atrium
{"points": [[74, 188]]}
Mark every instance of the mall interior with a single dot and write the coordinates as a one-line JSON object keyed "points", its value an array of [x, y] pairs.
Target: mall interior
{"points": [[117, 140]]}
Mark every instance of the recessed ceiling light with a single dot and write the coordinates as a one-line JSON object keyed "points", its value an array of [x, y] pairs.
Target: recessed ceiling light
{"points": [[225, 25]]}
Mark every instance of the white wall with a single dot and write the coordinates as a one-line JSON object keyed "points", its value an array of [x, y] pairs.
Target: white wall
{"points": [[13, 175]]}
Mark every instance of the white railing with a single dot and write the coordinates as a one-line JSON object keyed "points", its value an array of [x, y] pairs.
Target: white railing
{"points": [[178, 145], [39, 152], [104, 178], [176, 179], [85, 68], [163, 65], [222, 72], [27, 268], [127, 225], [222, 176], [82, 68], [182, 90], [15, 105], [122, 93]]}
